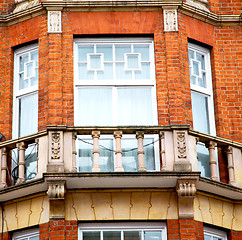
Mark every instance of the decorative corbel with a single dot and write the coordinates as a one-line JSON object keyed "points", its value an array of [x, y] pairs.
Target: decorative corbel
{"points": [[54, 21], [56, 193], [186, 191], [170, 19]]}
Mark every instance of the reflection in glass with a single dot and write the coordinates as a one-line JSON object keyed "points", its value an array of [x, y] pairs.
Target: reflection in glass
{"points": [[120, 51], [83, 50], [200, 113], [203, 160], [152, 235], [132, 235], [143, 50], [111, 235], [91, 235], [28, 115]]}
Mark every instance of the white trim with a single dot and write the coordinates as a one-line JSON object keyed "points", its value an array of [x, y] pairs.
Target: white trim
{"points": [[215, 233], [123, 226], [25, 233]]}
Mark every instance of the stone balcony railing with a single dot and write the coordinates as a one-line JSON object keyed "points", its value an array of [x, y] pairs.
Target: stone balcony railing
{"points": [[54, 151]]}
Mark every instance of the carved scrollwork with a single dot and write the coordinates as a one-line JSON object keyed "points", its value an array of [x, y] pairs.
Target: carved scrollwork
{"points": [[186, 188], [56, 190], [181, 145], [55, 146]]}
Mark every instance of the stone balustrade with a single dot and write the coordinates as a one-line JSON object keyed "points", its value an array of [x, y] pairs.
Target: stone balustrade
{"points": [[175, 145]]}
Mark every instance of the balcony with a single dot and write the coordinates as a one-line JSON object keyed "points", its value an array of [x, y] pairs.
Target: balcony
{"points": [[56, 154]]}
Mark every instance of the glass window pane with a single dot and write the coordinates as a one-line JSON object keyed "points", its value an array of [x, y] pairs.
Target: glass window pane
{"points": [[143, 50], [203, 160], [29, 69], [91, 235], [129, 159], [31, 162], [22, 83], [107, 74], [207, 237], [83, 50], [22, 60], [94, 106], [121, 73], [144, 73], [152, 235], [200, 58], [196, 68], [111, 235], [34, 56], [191, 55], [132, 235], [95, 62], [200, 112], [120, 51], [34, 80], [83, 74], [28, 115], [134, 106], [106, 50], [132, 62]]}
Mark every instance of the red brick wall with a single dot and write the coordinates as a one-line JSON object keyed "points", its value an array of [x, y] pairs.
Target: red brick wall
{"points": [[6, 6], [225, 6], [184, 229], [58, 230], [6, 83], [235, 235]]}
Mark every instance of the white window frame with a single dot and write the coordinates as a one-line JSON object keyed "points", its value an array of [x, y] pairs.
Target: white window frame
{"points": [[215, 233], [115, 83], [208, 91], [18, 94], [135, 226], [19, 235]]}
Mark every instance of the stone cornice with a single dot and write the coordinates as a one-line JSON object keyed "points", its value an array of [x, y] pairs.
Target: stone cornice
{"points": [[127, 5]]}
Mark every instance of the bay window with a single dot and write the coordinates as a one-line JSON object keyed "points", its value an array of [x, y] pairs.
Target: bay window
{"points": [[114, 86]]}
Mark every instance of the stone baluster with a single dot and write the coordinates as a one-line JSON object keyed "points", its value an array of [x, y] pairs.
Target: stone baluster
{"points": [[118, 153], [229, 152], [140, 153], [4, 167], [212, 159], [21, 148], [162, 150], [74, 153], [95, 137]]}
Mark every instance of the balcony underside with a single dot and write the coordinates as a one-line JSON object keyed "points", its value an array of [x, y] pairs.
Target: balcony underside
{"points": [[98, 181]]}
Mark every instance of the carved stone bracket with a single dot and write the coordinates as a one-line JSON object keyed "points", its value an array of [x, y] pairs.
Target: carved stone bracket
{"points": [[56, 192], [182, 162], [186, 191], [170, 20], [54, 21]]}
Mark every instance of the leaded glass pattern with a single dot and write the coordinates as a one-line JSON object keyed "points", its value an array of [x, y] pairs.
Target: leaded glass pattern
{"points": [[114, 61]]}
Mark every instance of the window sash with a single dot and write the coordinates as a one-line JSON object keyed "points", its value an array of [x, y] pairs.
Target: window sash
{"points": [[32, 234], [123, 227], [22, 124], [214, 234], [205, 92]]}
